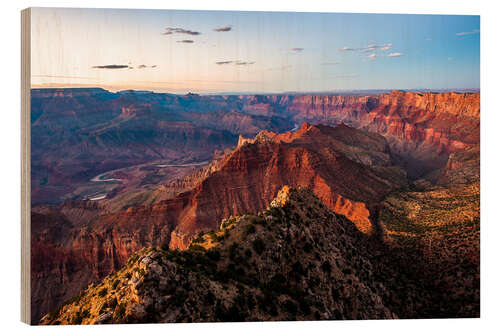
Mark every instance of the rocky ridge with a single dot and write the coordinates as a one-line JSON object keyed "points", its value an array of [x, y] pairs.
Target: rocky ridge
{"points": [[248, 270]]}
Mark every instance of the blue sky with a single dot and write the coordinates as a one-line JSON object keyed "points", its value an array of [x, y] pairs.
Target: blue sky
{"points": [[210, 51]]}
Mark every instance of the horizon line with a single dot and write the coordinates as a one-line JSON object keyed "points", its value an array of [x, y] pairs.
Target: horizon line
{"points": [[335, 91]]}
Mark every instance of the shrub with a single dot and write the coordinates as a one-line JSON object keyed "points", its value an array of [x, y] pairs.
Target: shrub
{"points": [[297, 268], [213, 254], [103, 292], [210, 298], [103, 308], [233, 250], [115, 284], [249, 229], [86, 313], [196, 247], [213, 236], [290, 307], [326, 267], [77, 319], [304, 306], [308, 247], [258, 245], [120, 311]]}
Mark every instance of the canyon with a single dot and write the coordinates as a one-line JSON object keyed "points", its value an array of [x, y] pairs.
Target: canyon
{"points": [[362, 156]]}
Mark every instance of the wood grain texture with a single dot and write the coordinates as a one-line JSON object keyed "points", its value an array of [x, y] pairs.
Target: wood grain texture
{"points": [[25, 165]]}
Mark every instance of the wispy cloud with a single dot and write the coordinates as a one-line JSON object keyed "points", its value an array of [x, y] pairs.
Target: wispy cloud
{"points": [[244, 63], [110, 66], [465, 33], [395, 54], [368, 48], [372, 56], [451, 58], [328, 63], [142, 66], [347, 48], [187, 41], [386, 47], [297, 49], [223, 29], [171, 31], [235, 62]]}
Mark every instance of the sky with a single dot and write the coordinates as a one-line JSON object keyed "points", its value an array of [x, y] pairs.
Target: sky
{"points": [[252, 52]]}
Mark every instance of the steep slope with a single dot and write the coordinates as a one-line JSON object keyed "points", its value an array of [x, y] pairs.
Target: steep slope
{"points": [[295, 261], [350, 176], [438, 230], [79, 133]]}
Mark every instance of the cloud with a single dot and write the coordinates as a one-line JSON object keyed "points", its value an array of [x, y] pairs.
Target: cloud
{"points": [[451, 58], [465, 33], [395, 54], [346, 48], [372, 56], [244, 62], [223, 29], [171, 31], [428, 38], [368, 48], [297, 49], [110, 66], [328, 63], [187, 41], [236, 62], [386, 47]]}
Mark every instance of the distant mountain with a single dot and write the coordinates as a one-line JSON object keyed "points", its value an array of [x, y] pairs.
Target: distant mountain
{"points": [[79, 133]]}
